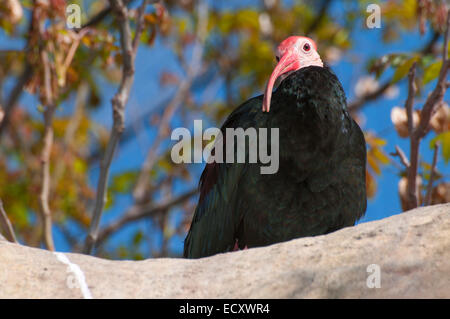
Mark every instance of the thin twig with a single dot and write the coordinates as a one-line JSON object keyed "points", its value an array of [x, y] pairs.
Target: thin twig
{"points": [[73, 48], [427, 49], [139, 24], [414, 143], [118, 103], [399, 152], [140, 190], [427, 200], [5, 224], [71, 129], [360, 102]]}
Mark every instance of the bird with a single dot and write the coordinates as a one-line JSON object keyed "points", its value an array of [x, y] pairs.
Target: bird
{"points": [[320, 183]]}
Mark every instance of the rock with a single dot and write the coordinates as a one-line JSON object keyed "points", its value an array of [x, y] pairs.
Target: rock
{"points": [[410, 250]]}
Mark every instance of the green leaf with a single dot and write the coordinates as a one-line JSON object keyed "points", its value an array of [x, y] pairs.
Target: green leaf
{"points": [[432, 72], [444, 139], [403, 69], [122, 183], [138, 237]]}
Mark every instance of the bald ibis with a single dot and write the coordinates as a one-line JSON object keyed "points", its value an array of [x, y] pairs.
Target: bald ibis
{"points": [[320, 184]]}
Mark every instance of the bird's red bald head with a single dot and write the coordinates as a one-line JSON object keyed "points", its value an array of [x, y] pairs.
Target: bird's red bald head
{"points": [[293, 54]]}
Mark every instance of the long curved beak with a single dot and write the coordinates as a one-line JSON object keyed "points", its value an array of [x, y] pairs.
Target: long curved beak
{"points": [[287, 63]]}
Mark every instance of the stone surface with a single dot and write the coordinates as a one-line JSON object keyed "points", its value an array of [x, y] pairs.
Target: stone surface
{"points": [[412, 251]]}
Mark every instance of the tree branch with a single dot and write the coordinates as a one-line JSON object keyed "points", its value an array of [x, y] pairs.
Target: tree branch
{"points": [[438, 93], [45, 154], [139, 24], [433, 100], [399, 152], [414, 143], [99, 17], [15, 95], [359, 103], [24, 77], [103, 13], [138, 212], [6, 225], [118, 103], [427, 200]]}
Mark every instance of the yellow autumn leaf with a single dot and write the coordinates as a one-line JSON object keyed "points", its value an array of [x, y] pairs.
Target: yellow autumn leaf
{"points": [[373, 163]]}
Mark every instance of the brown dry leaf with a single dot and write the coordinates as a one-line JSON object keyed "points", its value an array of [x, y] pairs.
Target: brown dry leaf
{"points": [[58, 7], [168, 78], [441, 194], [15, 11], [400, 120], [366, 85], [441, 15], [440, 121], [371, 185], [403, 191]]}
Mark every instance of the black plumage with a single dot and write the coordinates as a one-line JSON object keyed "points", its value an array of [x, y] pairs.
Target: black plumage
{"points": [[320, 184]]}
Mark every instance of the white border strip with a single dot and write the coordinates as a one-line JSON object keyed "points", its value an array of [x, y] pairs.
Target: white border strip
{"points": [[78, 273]]}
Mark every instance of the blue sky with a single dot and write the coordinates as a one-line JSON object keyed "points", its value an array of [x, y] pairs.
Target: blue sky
{"points": [[145, 95]]}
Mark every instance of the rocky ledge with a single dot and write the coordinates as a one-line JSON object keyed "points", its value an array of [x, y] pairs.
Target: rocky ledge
{"points": [[403, 256]]}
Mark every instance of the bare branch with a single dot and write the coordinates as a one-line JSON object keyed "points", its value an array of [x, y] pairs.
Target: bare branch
{"points": [[24, 77], [118, 102], [102, 14], [45, 154], [15, 95], [99, 17], [427, 49], [430, 106], [414, 143], [359, 103], [139, 24], [138, 212], [73, 48], [427, 200], [6, 225], [437, 95], [399, 152], [140, 190], [72, 127], [412, 89]]}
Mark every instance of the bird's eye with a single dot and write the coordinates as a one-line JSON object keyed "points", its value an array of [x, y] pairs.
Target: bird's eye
{"points": [[306, 47], [278, 58]]}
